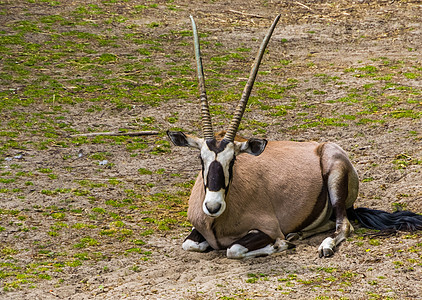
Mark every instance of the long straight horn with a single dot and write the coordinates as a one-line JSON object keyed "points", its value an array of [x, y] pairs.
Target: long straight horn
{"points": [[205, 112], [234, 125]]}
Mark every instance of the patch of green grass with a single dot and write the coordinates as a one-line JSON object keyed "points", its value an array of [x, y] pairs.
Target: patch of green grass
{"points": [[327, 269], [368, 179], [58, 215], [83, 226], [8, 251], [74, 263], [138, 242], [90, 184], [101, 155], [403, 160], [79, 192], [107, 58], [51, 19], [45, 170], [86, 242], [162, 147], [411, 75], [144, 171], [114, 181], [398, 206], [374, 242], [99, 210], [252, 278], [406, 113]]}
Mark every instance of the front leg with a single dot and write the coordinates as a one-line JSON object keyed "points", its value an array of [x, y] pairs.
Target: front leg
{"points": [[255, 244], [195, 242]]}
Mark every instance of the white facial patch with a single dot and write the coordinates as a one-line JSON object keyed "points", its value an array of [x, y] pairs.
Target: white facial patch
{"points": [[208, 157]]}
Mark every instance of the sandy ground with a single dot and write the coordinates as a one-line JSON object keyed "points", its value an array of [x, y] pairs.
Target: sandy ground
{"points": [[326, 47]]}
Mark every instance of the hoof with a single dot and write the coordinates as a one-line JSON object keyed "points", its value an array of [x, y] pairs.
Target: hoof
{"points": [[326, 252], [326, 249], [236, 251]]}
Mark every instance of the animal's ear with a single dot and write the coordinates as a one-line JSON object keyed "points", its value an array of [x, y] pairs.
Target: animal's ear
{"points": [[252, 146], [180, 139]]}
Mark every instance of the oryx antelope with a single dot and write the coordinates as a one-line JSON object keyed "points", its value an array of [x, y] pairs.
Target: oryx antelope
{"points": [[253, 197]]}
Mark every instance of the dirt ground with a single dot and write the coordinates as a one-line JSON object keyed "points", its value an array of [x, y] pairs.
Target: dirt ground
{"points": [[105, 217]]}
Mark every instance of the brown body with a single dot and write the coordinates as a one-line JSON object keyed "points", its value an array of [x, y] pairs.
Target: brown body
{"points": [[283, 190], [253, 197]]}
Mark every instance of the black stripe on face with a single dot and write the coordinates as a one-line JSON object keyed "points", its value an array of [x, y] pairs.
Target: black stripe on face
{"points": [[230, 172], [215, 179], [217, 146], [202, 167]]}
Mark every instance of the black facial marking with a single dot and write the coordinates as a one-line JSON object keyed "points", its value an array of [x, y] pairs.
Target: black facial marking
{"points": [[202, 168], [215, 179], [217, 146], [231, 172]]}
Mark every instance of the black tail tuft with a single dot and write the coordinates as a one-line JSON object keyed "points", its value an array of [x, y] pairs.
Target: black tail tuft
{"points": [[382, 220]]}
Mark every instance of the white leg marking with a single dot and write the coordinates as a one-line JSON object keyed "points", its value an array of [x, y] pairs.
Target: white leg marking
{"points": [[326, 248], [190, 245], [238, 251]]}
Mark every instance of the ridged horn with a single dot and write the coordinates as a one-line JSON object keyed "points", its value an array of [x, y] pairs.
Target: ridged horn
{"points": [[234, 125], [205, 112]]}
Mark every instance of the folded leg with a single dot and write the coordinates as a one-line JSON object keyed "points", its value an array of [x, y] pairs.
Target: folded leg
{"points": [[255, 244]]}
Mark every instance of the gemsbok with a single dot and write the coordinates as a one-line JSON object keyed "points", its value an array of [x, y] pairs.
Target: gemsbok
{"points": [[254, 197]]}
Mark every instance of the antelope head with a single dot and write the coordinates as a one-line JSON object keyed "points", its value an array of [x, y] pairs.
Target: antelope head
{"points": [[218, 155]]}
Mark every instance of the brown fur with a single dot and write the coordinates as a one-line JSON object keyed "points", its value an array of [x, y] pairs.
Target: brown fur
{"points": [[278, 192], [220, 135]]}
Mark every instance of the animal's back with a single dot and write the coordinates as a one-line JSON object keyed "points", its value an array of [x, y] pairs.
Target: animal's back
{"points": [[284, 169]]}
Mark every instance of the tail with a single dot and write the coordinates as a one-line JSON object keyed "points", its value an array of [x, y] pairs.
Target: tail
{"points": [[385, 221]]}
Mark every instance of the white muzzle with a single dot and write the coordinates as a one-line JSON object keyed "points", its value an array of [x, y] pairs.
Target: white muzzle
{"points": [[214, 204]]}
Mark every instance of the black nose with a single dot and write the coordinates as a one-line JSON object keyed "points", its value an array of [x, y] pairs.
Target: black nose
{"points": [[213, 209]]}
